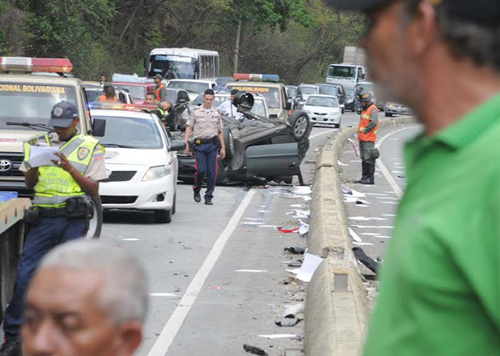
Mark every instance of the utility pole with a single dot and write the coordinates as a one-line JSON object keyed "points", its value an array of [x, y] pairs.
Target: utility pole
{"points": [[237, 47]]}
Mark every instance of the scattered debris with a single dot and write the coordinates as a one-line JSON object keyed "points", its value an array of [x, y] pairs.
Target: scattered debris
{"points": [[300, 190], [296, 250], [162, 295], [354, 236], [252, 270], [341, 164], [295, 264], [287, 323], [293, 309], [304, 228], [371, 264], [288, 231], [306, 271], [282, 336], [254, 350]]}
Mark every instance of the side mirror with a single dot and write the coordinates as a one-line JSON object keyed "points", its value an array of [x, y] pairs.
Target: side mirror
{"points": [[99, 128], [177, 146], [288, 106]]}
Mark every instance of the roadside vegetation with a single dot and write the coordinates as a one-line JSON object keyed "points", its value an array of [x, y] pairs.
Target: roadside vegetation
{"points": [[296, 39]]}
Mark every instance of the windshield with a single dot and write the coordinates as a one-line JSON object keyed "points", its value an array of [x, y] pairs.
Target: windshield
{"points": [[129, 132], [137, 92], [309, 90], [193, 87], [31, 103], [328, 90], [172, 67], [341, 71], [350, 93], [364, 87], [321, 101], [291, 92], [93, 94]]}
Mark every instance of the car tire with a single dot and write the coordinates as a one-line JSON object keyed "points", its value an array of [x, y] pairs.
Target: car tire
{"points": [[228, 142], [95, 225], [163, 216], [4, 275], [387, 114], [337, 126], [174, 204], [300, 124]]}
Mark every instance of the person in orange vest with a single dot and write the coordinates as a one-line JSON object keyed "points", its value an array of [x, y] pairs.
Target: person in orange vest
{"points": [[109, 95], [160, 91], [367, 134]]}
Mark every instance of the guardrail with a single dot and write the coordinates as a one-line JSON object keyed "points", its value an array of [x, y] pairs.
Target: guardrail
{"points": [[336, 303]]}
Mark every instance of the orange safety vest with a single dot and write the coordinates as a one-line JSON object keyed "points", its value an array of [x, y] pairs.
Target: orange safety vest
{"points": [[157, 92], [103, 98], [365, 120]]}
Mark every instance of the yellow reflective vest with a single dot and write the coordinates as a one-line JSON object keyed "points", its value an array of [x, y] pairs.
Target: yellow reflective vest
{"points": [[55, 185]]}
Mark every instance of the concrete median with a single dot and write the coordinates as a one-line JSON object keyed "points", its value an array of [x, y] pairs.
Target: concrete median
{"points": [[336, 303]]}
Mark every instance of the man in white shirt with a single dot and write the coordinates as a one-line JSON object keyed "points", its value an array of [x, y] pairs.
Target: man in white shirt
{"points": [[227, 108]]}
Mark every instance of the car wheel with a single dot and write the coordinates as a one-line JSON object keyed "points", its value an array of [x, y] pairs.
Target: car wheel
{"points": [[163, 216], [174, 205], [301, 125], [95, 224], [228, 142]]}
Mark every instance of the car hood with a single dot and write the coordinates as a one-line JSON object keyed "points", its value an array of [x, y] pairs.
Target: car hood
{"points": [[320, 109], [12, 140], [140, 157]]}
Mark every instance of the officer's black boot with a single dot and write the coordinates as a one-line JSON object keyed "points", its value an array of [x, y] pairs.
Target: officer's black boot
{"points": [[370, 177], [197, 188], [364, 169], [11, 348]]}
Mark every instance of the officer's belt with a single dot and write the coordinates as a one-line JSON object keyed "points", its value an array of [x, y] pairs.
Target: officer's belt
{"points": [[201, 141], [52, 212]]}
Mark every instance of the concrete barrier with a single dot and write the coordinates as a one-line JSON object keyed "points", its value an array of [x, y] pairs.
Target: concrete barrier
{"points": [[336, 303]]}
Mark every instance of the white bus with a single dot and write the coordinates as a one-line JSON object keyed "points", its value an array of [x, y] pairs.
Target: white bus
{"points": [[182, 63]]}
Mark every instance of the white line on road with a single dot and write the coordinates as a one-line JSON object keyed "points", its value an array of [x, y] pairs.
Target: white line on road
{"points": [[322, 133], [384, 169], [169, 332]]}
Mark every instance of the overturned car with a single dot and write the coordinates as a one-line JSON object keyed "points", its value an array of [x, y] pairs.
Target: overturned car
{"points": [[258, 149]]}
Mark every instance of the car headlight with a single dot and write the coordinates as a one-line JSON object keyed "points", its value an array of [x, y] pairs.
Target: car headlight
{"points": [[156, 173]]}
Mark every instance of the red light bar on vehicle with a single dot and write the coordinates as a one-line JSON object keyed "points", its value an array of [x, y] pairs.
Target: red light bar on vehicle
{"points": [[257, 77], [28, 65]]}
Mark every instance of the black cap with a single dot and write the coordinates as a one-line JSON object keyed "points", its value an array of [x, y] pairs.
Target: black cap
{"points": [[63, 114], [482, 12]]}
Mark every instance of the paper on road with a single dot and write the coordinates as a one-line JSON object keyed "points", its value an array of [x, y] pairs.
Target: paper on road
{"points": [[280, 336], [43, 156], [306, 271]]}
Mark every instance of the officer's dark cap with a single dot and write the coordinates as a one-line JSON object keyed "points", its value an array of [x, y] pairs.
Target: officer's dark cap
{"points": [[482, 12], [63, 114], [209, 92]]}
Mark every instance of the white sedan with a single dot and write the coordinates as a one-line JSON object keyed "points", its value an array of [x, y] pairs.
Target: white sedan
{"points": [[141, 162], [323, 110]]}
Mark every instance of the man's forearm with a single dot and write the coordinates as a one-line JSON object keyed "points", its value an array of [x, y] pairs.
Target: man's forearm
{"points": [[89, 186], [187, 134], [221, 140], [31, 177]]}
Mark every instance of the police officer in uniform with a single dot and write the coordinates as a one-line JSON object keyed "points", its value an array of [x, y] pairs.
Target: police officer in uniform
{"points": [[206, 124], [61, 207], [367, 134]]}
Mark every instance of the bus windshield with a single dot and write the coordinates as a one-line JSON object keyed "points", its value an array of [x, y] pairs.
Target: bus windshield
{"points": [[342, 72], [172, 67], [31, 103]]}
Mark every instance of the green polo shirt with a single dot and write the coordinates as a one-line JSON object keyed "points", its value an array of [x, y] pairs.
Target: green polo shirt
{"points": [[440, 281]]}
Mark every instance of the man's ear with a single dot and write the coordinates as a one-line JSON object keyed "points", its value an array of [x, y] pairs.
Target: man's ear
{"points": [[131, 337], [423, 29]]}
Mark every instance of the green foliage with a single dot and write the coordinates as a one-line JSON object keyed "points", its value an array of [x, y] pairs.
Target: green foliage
{"points": [[294, 38]]}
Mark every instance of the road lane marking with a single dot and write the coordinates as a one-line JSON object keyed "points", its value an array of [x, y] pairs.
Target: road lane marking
{"points": [[384, 169], [169, 332], [322, 133]]}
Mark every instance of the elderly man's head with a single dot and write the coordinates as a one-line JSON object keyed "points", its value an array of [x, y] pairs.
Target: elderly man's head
{"points": [[87, 298]]}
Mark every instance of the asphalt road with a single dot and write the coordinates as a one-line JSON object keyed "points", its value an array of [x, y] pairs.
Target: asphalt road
{"points": [[373, 221], [200, 303]]}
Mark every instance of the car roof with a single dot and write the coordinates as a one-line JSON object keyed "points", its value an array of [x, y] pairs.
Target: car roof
{"points": [[133, 84], [255, 84], [122, 113], [307, 85], [193, 80]]}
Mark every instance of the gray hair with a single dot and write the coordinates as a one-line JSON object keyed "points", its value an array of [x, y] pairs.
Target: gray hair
{"points": [[467, 39], [125, 294]]}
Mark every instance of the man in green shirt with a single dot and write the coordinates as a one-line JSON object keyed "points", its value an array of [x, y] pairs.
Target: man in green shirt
{"points": [[440, 282]]}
